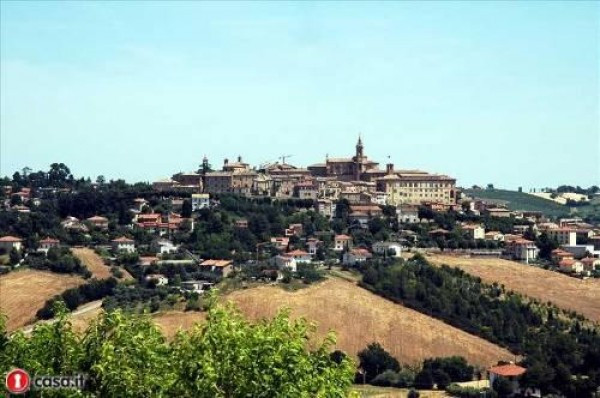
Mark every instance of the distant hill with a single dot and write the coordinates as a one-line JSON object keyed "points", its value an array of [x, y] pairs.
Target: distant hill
{"points": [[520, 201], [563, 291]]}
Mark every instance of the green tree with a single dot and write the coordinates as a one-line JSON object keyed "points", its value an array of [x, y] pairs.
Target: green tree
{"points": [[503, 387], [375, 360], [125, 355], [186, 209], [14, 256]]}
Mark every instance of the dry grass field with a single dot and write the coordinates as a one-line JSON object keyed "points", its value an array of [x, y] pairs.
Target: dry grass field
{"points": [[565, 292], [367, 391], [95, 264], [22, 293], [360, 317]]}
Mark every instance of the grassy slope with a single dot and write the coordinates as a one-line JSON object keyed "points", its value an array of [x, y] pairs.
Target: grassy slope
{"points": [[23, 292], [565, 292]]}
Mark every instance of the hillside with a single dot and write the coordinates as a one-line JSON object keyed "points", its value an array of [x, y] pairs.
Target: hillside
{"points": [[565, 292], [520, 201], [360, 317], [22, 293], [95, 264]]}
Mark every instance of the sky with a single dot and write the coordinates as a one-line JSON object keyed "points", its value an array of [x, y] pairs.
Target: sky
{"points": [[487, 92]]}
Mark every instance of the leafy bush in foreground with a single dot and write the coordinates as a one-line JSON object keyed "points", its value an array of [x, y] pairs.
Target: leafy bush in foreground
{"points": [[126, 356]]}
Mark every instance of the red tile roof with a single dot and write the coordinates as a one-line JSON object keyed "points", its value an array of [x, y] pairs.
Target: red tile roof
{"points": [[342, 237], [49, 240], [9, 238], [216, 263], [123, 239], [507, 370], [297, 253]]}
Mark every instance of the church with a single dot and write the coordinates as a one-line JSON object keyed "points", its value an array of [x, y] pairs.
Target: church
{"points": [[356, 168]]}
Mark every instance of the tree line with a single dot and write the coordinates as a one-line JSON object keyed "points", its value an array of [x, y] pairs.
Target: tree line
{"points": [[561, 351]]}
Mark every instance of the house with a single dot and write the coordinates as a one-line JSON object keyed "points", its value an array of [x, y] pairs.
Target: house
{"points": [[370, 210], [200, 201], [280, 242], [148, 218], [355, 256], [497, 212], [313, 245], [521, 249], [241, 223], [494, 236], [558, 254], [359, 218], [510, 372], [48, 243], [147, 260], [341, 242], [98, 222], [11, 242], [160, 279], [196, 286], [386, 249], [438, 232], [579, 251], [285, 261], [300, 256], [73, 224], [139, 203], [564, 236], [21, 209], [590, 263], [294, 230], [407, 214], [474, 231], [570, 265], [220, 267], [520, 229], [326, 207], [123, 244], [164, 246]]}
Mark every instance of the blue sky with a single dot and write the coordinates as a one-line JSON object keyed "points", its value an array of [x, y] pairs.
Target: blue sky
{"points": [[504, 92]]}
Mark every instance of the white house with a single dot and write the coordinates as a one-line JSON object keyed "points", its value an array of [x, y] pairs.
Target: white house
{"points": [[300, 256], [11, 242], [123, 244], [164, 246], [47, 244], [355, 256], [522, 249], [571, 265], [160, 279], [494, 235], [200, 201], [474, 231], [284, 261], [384, 248], [313, 245], [195, 286], [341, 242], [407, 214]]}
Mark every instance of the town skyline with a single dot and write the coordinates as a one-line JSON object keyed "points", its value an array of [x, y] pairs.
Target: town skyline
{"points": [[481, 92]]}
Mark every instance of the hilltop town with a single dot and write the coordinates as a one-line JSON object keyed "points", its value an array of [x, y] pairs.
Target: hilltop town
{"points": [[160, 247]]}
